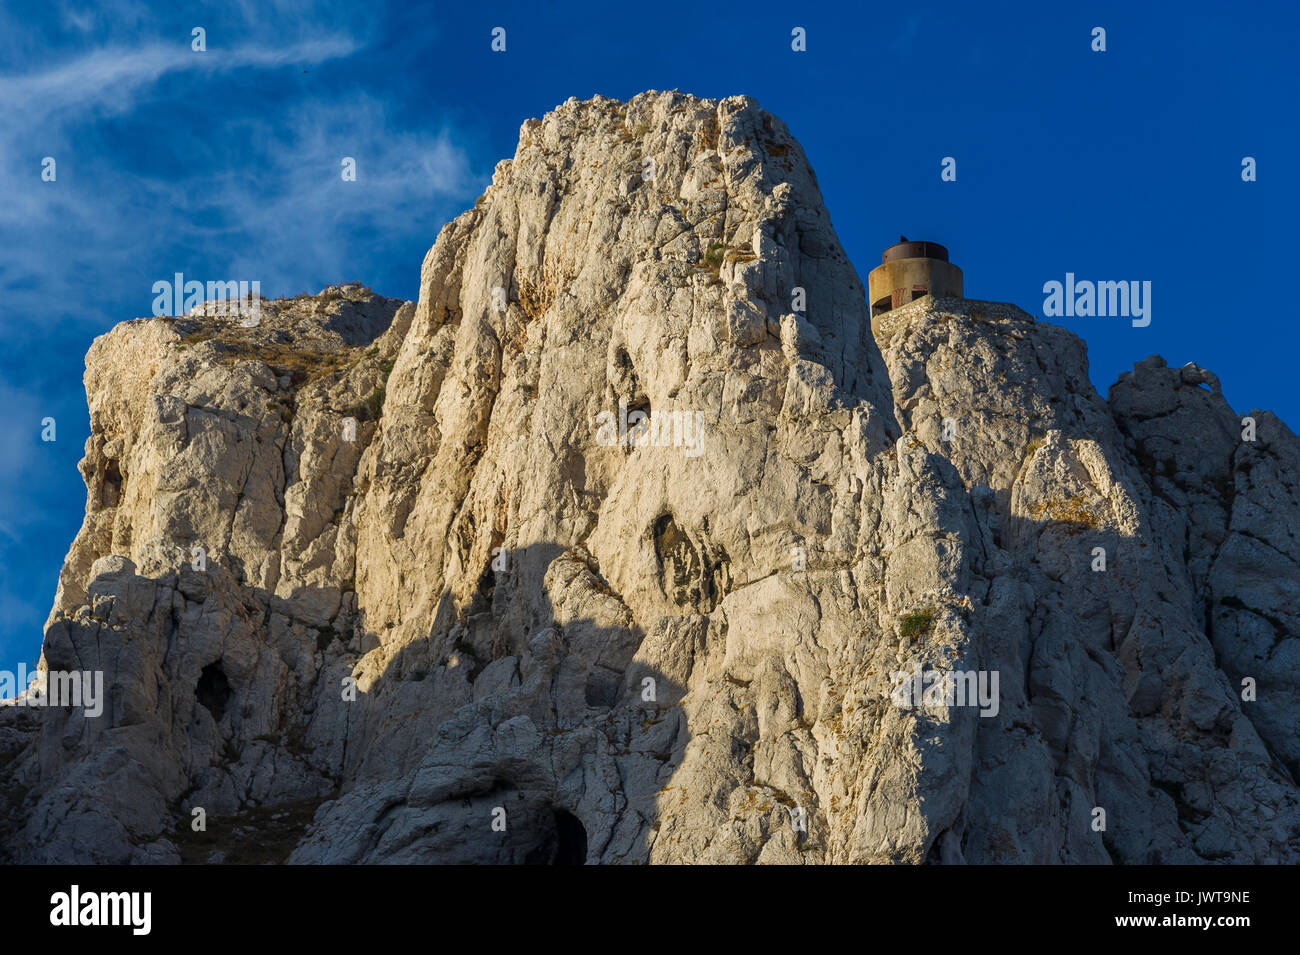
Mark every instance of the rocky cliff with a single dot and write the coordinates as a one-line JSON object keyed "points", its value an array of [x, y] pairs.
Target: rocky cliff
{"points": [[408, 582]]}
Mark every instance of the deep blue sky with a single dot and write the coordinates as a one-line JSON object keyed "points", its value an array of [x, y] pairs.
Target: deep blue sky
{"points": [[1117, 165]]}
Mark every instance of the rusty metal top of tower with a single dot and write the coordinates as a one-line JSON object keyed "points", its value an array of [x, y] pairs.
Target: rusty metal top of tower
{"points": [[914, 250]]}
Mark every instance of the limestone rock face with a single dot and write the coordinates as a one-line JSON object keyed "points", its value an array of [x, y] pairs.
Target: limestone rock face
{"points": [[612, 547]]}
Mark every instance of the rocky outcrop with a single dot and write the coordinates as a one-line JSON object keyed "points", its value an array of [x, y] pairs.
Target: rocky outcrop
{"points": [[381, 581]]}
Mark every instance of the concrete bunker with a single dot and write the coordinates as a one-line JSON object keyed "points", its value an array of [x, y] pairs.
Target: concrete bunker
{"points": [[910, 270]]}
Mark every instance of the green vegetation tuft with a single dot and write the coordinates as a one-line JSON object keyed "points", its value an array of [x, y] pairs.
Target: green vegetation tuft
{"points": [[916, 623], [370, 409], [713, 256]]}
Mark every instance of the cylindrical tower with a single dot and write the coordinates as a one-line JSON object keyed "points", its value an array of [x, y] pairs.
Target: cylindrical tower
{"points": [[908, 271]]}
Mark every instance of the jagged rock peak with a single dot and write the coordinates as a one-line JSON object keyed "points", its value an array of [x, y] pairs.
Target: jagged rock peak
{"points": [[496, 594]]}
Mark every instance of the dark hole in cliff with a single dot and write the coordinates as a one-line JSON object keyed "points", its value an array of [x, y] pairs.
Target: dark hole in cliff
{"points": [[934, 856], [638, 427], [487, 585], [111, 487], [628, 387], [603, 687], [575, 472], [623, 363], [679, 562], [213, 690], [570, 839], [563, 839], [690, 577]]}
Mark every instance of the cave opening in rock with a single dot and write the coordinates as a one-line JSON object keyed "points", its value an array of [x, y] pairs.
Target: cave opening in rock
{"points": [[213, 690], [570, 839], [487, 585], [110, 489]]}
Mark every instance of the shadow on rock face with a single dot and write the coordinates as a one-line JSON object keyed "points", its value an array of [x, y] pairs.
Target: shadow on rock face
{"points": [[508, 738]]}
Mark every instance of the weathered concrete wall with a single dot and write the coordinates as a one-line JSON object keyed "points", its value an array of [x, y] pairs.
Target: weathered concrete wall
{"points": [[899, 279]]}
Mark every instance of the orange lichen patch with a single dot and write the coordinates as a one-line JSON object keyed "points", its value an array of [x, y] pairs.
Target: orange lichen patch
{"points": [[1070, 510]]}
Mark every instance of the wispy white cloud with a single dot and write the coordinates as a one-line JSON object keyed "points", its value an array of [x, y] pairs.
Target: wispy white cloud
{"points": [[297, 217], [255, 193], [111, 78], [266, 195], [17, 444]]}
